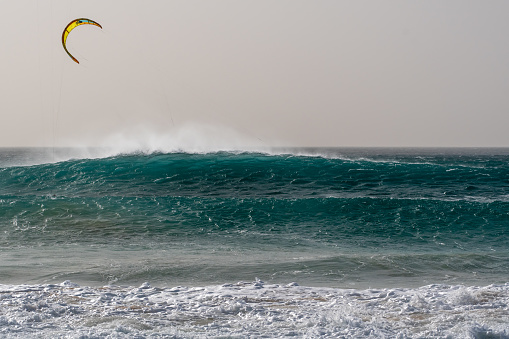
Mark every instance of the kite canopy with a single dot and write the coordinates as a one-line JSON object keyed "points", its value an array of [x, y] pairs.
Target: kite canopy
{"points": [[72, 25]]}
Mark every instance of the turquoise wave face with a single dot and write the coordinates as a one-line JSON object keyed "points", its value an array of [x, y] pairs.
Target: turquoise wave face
{"points": [[360, 223], [342, 212], [484, 178], [324, 199]]}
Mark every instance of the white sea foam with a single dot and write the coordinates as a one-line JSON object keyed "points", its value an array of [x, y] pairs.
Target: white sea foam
{"points": [[253, 309]]}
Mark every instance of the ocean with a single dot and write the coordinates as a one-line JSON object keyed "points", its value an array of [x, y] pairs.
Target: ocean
{"points": [[302, 242]]}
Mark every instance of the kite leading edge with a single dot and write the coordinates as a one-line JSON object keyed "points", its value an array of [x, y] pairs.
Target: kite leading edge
{"points": [[72, 25]]}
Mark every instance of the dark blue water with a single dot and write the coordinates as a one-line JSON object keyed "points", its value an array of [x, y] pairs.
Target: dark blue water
{"points": [[328, 217]]}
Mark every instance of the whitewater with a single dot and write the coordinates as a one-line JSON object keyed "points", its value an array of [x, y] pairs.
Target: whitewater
{"points": [[323, 242]]}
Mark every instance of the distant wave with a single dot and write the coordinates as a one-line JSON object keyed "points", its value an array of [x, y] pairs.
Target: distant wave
{"points": [[243, 173]]}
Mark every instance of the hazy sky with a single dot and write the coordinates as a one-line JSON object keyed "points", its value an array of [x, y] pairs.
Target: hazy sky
{"points": [[287, 73]]}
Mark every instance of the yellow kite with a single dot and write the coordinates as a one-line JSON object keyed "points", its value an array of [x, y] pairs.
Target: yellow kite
{"points": [[73, 24]]}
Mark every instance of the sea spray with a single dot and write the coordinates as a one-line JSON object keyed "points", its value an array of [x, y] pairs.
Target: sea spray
{"points": [[189, 137]]}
